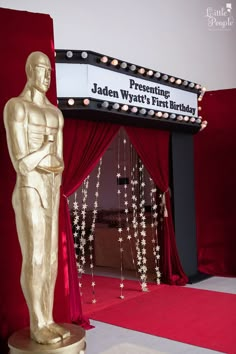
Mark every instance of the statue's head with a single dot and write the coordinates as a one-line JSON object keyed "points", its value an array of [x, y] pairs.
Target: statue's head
{"points": [[38, 71]]}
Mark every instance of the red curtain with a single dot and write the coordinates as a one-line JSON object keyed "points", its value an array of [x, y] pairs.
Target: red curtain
{"points": [[153, 148], [21, 33], [84, 144], [215, 176]]}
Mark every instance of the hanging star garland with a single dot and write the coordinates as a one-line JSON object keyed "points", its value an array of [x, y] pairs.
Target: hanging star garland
{"points": [[154, 224], [92, 231]]}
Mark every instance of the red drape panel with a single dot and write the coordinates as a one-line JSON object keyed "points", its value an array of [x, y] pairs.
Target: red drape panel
{"points": [[215, 176], [153, 149], [84, 144], [21, 33]]}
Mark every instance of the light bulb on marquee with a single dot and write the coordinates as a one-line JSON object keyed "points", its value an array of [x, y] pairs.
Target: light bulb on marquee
{"points": [[142, 111], [114, 62], [203, 125], [150, 73], [69, 54], [165, 115], [86, 102], [116, 106], [104, 59], [203, 90], [134, 109], [164, 77], [157, 75], [151, 112], [125, 108], [123, 65], [105, 104], [141, 71], [132, 67], [71, 101], [84, 55]]}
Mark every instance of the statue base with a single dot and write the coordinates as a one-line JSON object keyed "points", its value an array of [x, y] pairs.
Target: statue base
{"points": [[21, 343]]}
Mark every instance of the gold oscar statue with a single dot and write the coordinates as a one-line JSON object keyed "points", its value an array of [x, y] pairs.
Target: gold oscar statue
{"points": [[34, 137]]}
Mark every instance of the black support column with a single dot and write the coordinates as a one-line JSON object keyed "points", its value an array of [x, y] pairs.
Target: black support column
{"points": [[183, 201]]}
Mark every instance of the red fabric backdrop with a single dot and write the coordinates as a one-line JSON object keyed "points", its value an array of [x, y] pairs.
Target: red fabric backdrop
{"points": [[153, 149], [215, 178], [84, 144], [21, 33]]}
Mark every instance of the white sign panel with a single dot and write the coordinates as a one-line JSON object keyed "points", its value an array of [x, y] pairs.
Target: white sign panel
{"points": [[83, 80]]}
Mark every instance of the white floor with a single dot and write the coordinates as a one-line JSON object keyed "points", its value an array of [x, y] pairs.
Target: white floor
{"points": [[108, 339]]}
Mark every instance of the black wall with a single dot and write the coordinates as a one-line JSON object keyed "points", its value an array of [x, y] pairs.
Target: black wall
{"points": [[182, 175]]}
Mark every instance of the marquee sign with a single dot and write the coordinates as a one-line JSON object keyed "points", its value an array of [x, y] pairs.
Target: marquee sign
{"points": [[93, 81]]}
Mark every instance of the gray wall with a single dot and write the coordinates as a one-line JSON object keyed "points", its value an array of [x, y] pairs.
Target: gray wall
{"points": [[166, 35]]}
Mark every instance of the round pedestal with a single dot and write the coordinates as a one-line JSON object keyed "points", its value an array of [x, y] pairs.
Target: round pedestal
{"points": [[21, 343]]}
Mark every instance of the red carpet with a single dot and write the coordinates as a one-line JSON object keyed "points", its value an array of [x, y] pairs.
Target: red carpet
{"points": [[198, 317], [107, 292]]}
